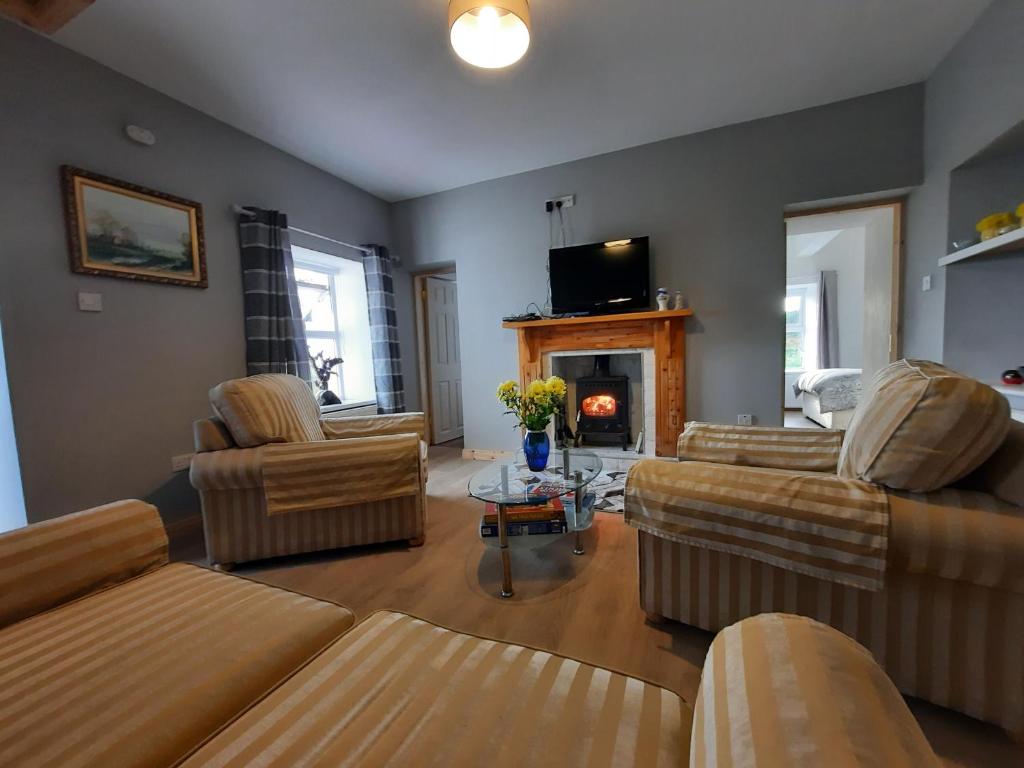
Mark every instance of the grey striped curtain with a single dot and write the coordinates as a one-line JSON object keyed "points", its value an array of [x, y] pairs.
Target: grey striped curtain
{"points": [[828, 319], [275, 339], [387, 362]]}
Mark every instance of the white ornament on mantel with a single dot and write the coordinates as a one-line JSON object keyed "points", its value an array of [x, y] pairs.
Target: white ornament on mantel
{"points": [[662, 299]]}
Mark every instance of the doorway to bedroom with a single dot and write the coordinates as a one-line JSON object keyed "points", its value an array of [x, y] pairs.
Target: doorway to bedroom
{"points": [[841, 307]]}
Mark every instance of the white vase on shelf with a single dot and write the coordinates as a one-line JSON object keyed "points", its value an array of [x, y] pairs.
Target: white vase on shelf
{"points": [[662, 299]]}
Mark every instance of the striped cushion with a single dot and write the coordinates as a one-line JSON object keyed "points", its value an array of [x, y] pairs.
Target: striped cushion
{"points": [[56, 561], [1003, 474], [141, 674], [922, 427], [782, 690], [814, 450], [399, 691], [268, 408]]}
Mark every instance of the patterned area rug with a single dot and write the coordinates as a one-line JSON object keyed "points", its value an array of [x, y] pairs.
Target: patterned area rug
{"points": [[610, 488]]}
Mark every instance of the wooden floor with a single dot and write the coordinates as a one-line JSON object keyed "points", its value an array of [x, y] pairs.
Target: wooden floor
{"points": [[584, 606]]}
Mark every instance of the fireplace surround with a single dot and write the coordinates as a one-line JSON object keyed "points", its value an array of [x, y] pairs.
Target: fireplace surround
{"points": [[659, 337]]}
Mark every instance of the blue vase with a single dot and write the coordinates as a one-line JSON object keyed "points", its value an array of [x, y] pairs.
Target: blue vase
{"points": [[536, 446]]}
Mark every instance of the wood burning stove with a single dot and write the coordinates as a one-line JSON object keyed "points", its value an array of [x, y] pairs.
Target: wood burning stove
{"points": [[602, 407]]}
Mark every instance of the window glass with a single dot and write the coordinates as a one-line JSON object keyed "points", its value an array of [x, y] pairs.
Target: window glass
{"points": [[801, 326], [316, 300], [332, 298]]}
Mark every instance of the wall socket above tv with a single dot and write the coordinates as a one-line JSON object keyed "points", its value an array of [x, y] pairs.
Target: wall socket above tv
{"points": [[567, 201]]}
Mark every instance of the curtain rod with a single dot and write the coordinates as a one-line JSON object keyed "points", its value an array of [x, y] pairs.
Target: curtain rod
{"points": [[241, 210]]}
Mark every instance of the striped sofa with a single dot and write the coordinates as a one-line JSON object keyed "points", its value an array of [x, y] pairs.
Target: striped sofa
{"points": [[275, 479], [111, 656], [760, 519]]}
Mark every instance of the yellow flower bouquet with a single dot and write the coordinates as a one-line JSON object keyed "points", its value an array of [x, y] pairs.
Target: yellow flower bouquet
{"points": [[533, 409]]}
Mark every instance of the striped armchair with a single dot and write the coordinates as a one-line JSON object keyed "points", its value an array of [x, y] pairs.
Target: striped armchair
{"points": [[275, 479], [906, 533]]}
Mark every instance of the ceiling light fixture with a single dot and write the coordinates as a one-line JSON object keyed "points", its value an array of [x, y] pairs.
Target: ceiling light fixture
{"points": [[490, 35]]}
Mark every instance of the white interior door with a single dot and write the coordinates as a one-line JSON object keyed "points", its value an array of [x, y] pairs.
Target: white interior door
{"points": [[880, 243], [445, 369]]}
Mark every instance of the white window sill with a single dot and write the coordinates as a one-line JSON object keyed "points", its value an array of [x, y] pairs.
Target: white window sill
{"points": [[342, 407]]}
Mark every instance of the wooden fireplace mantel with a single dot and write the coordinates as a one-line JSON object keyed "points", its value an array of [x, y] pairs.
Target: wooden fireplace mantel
{"points": [[662, 331]]}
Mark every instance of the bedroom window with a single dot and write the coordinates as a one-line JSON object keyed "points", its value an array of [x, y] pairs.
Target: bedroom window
{"points": [[332, 297], [801, 326]]}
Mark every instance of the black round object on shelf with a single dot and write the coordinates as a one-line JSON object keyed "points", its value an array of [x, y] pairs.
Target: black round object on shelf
{"points": [[1013, 376]]}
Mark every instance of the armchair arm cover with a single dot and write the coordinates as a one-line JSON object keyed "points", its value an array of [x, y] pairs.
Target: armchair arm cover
{"points": [[369, 426], [819, 525], [786, 690], [299, 477], [56, 561], [234, 469], [810, 450]]}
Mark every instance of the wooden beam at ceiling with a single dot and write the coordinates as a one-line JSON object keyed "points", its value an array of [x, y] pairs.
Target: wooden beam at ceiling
{"points": [[43, 15]]}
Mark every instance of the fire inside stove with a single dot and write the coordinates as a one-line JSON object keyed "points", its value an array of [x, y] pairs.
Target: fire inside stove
{"points": [[602, 406]]}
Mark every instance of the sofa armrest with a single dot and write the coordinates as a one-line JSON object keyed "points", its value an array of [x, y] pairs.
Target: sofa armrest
{"points": [[810, 450], [234, 469], [370, 426], [786, 690], [50, 563], [302, 477], [298, 477]]}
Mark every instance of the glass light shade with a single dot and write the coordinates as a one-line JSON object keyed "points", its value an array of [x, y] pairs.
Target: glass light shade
{"points": [[490, 35]]}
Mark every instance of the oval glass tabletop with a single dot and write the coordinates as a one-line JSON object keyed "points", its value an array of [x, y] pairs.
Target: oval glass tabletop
{"points": [[513, 483]]}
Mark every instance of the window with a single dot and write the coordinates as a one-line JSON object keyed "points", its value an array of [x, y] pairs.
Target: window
{"points": [[332, 296], [801, 310]]}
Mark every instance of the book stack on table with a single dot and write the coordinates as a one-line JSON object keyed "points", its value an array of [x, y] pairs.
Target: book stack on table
{"points": [[532, 520]]}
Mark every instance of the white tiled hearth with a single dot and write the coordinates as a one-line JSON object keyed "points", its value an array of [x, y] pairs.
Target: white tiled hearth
{"points": [[638, 364]]}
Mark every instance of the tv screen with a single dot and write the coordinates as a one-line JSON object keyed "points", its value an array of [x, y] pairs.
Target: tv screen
{"points": [[601, 278]]}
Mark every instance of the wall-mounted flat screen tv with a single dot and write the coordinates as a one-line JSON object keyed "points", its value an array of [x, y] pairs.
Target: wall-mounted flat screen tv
{"points": [[601, 278]]}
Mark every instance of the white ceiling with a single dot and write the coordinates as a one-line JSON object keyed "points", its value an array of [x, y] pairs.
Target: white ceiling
{"points": [[370, 91]]}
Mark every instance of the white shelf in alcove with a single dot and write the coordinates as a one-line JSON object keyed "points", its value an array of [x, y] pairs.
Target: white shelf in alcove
{"points": [[1011, 241]]}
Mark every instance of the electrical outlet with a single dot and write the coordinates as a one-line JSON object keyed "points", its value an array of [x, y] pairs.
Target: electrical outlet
{"points": [[567, 201], [926, 283], [181, 463], [90, 302], [745, 419]]}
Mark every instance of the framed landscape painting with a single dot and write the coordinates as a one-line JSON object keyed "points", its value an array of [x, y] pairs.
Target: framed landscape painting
{"points": [[117, 229]]}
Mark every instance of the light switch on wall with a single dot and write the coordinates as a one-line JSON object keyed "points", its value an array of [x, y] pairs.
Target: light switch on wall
{"points": [[926, 283], [90, 302]]}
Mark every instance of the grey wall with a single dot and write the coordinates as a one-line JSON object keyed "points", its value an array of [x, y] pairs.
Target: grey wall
{"points": [[983, 321], [974, 96], [102, 401], [713, 205]]}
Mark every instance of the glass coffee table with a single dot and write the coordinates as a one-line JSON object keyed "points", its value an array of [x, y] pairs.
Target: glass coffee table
{"points": [[513, 484]]}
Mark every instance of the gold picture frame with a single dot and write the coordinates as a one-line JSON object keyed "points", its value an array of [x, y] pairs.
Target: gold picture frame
{"points": [[119, 229]]}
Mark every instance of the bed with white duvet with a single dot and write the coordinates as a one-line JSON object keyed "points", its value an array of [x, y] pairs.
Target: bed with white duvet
{"points": [[828, 395]]}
